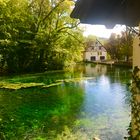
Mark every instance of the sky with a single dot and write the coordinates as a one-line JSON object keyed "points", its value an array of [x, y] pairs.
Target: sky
{"points": [[101, 30]]}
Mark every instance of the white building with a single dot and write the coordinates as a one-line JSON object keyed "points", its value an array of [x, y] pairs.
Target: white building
{"points": [[95, 52]]}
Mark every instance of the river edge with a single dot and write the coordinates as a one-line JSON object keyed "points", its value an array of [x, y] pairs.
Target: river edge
{"points": [[112, 63]]}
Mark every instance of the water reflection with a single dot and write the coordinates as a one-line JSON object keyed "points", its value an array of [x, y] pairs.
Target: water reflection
{"points": [[95, 70], [105, 102]]}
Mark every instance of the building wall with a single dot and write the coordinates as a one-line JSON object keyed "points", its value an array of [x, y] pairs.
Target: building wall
{"points": [[136, 52], [88, 55], [104, 54]]}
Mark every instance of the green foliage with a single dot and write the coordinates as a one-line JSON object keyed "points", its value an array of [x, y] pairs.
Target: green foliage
{"points": [[89, 40], [120, 47], [38, 35]]}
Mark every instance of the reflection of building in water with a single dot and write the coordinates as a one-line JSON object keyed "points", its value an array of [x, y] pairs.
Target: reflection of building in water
{"points": [[95, 52], [95, 69]]}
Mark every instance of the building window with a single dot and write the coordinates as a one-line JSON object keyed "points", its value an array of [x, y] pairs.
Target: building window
{"points": [[99, 53], [102, 58], [93, 58]]}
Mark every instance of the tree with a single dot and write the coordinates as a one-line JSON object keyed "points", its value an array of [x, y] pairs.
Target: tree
{"points": [[119, 47], [126, 42], [112, 47], [33, 34], [89, 40]]}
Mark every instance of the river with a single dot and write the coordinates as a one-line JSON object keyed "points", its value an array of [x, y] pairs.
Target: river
{"points": [[91, 101]]}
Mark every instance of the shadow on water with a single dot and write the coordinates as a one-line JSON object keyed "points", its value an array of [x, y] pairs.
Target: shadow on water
{"points": [[96, 106]]}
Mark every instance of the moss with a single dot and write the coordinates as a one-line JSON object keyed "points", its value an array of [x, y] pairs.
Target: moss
{"points": [[135, 89], [20, 85], [15, 86]]}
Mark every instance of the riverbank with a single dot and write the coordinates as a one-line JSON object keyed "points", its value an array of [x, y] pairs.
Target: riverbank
{"points": [[113, 63]]}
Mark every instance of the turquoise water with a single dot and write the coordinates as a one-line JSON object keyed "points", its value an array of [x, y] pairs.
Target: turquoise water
{"points": [[95, 105]]}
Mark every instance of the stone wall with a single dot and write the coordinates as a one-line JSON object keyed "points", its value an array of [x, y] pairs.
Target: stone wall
{"points": [[135, 104]]}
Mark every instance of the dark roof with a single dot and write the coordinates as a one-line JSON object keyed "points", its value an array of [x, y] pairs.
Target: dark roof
{"points": [[108, 12]]}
